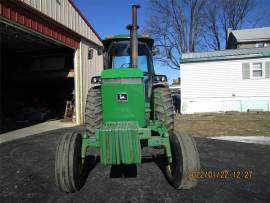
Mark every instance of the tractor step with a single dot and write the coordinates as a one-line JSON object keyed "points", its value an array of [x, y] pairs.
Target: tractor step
{"points": [[119, 143]]}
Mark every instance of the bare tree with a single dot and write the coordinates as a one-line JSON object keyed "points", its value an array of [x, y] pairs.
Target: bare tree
{"points": [[199, 25], [225, 14], [233, 14], [212, 38], [177, 26]]}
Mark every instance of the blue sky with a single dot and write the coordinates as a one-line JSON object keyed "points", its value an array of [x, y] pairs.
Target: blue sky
{"points": [[112, 16]]}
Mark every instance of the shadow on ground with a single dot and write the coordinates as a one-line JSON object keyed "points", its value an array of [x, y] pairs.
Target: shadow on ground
{"points": [[27, 175]]}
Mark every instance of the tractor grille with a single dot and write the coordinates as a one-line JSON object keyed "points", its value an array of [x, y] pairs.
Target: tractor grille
{"points": [[123, 81], [119, 143]]}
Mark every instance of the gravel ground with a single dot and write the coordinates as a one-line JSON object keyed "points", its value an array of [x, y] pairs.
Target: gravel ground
{"points": [[27, 175]]}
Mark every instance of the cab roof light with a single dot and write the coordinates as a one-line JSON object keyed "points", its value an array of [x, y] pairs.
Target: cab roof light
{"points": [[110, 36], [160, 78], [145, 35]]}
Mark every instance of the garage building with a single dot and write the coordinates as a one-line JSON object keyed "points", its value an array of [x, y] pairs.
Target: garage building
{"points": [[49, 52]]}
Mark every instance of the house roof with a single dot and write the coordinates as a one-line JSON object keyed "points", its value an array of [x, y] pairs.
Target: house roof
{"points": [[256, 34], [228, 54]]}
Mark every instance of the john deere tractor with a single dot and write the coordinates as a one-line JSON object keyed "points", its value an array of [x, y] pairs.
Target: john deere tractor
{"points": [[128, 108]]}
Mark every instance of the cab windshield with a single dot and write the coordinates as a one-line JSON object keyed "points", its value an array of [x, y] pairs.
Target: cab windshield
{"points": [[119, 56]]}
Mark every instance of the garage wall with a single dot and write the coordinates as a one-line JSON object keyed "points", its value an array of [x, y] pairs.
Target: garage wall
{"points": [[65, 12], [89, 68]]}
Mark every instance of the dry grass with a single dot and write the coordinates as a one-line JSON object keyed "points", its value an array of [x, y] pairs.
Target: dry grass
{"points": [[229, 123]]}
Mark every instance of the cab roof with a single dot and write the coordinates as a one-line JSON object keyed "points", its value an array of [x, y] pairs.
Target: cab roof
{"points": [[112, 38]]}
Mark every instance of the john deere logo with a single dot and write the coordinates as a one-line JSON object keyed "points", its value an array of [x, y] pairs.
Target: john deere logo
{"points": [[122, 97]]}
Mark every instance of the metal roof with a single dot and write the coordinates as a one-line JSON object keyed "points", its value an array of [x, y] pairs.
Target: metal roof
{"points": [[66, 14], [256, 34], [228, 54], [141, 37]]}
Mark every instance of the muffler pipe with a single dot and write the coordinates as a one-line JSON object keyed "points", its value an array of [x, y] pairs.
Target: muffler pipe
{"points": [[133, 37]]}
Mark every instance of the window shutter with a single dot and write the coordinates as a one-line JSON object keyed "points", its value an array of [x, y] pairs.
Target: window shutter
{"points": [[267, 69], [245, 71]]}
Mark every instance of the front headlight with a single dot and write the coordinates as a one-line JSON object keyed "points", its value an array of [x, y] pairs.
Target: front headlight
{"points": [[96, 80]]}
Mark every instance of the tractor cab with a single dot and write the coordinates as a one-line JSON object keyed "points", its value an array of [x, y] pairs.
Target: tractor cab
{"points": [[117, 55], [117, 50]]}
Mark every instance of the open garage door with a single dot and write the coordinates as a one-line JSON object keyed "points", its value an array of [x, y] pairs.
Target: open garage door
{"points": [[36, 78]]}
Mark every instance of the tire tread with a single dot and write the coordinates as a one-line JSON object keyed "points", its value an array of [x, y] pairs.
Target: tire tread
{"points": [[93, 110], [164, 107]]}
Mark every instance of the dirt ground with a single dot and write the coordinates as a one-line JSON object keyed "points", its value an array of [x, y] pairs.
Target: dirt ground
{"points": [[222, 124]]}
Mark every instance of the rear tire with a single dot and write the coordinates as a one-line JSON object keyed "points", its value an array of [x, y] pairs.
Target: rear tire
{"points": [[93, 110], [69, 168], [164, 107], [185, 161]]}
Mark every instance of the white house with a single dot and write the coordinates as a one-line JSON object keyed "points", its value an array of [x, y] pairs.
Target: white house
{"points": [[229, 80]]}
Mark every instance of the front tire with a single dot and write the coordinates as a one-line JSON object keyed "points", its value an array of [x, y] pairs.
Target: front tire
{"points": [[185, 161], [69, 168]]}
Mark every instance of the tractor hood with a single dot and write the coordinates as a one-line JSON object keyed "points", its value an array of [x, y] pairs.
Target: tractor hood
{"points": [[123, 95], [121, 73]]}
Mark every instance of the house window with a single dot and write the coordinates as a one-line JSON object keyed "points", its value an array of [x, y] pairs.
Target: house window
{"points": [[257, 70], [259, 45]]}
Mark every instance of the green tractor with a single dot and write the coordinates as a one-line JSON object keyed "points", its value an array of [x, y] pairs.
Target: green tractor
{"points": [[128, 108]]}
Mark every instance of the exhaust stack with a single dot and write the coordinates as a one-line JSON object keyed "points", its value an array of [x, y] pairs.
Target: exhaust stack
{"points": [[133, 37]]}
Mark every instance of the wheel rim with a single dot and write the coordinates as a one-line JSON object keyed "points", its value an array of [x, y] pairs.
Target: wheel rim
{"points": [[176, 164], [172, 166], [79, 166]]}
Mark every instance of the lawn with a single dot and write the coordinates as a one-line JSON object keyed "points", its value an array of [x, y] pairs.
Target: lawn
{"points": [[222, 124]]}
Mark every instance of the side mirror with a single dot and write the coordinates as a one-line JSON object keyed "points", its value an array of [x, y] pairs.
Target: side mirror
{"points": [[100, 51], [155, 50], [90, 53]]}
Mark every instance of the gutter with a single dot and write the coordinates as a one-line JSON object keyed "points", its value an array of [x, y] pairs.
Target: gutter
{"points": [[223, 58]]}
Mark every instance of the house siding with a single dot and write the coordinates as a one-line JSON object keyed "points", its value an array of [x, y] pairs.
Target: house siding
{"points": [[218, 86]]}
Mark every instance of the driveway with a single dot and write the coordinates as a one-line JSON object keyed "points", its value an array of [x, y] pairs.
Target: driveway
{"points": [[27, 175]]}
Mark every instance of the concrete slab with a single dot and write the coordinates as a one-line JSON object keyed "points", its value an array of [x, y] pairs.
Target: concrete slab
{"points": [[35, 129], [246, 139]]}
